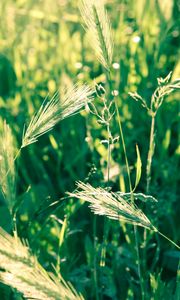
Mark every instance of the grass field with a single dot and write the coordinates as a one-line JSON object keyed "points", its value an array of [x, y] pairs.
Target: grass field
{"points": [[89, 150]]}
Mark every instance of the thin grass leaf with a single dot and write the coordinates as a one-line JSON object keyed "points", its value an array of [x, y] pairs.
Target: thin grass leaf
{"points": [[24, 273], [55, 110], [111, 205], [7, 168], [98, 28], [138, 168], [137, 196]]}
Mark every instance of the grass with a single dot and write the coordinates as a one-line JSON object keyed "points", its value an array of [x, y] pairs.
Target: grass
{"points": [[121, 152]]}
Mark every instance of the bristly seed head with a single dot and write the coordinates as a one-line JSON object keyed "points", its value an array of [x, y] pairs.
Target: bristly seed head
{"points": [[98, 28], [111, 205], [55, 110]]}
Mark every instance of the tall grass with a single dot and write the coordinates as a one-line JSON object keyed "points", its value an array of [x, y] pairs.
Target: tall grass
{"points": [[126, 186]]}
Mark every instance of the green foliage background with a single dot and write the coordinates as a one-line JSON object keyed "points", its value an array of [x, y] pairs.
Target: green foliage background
{"points": [[43, 47]]}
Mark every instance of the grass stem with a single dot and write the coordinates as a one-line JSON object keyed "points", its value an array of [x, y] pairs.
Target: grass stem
{"points": [[108, 76], [150, 154], [106, 221], [173, 243], [95, 258]]}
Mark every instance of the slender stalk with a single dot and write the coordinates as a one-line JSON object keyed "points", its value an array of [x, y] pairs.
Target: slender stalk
{"points": [[108, 76], [148, 178], [94, 274], [123, 144], [138, 262], [106, 221], [109, 154], [150, 154], [58, 262], [95, 258], [173, 243], [16, 156]]}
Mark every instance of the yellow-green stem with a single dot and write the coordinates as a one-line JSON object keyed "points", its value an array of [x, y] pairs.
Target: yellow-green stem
{"points": [[16, 156], [108, 75], [150, 154], [106, 221], [148, 176], [95, 258], [168, 239]]}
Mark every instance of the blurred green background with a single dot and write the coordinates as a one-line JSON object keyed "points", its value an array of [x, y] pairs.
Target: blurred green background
{"points": [[43, 48]]}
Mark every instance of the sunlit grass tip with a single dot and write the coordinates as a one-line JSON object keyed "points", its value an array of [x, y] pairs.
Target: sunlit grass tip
{"points": [[98, 28], [111, 205], [21, 270]]}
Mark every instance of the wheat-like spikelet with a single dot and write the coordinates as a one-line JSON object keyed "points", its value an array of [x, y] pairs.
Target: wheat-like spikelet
{"points": [[55, 110], [7, 168], [111, 205], [98, 28], [23, 272], [164, 88]]}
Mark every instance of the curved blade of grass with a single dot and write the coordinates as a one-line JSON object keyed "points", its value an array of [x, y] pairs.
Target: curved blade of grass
{"points": [[137, 196], [138, 168]]}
